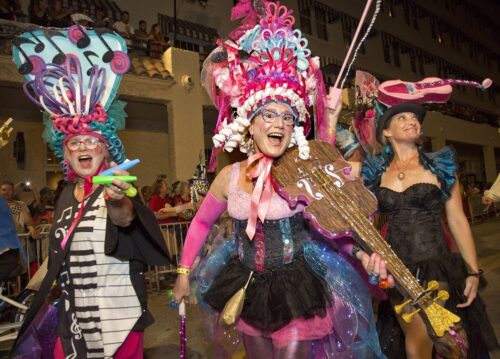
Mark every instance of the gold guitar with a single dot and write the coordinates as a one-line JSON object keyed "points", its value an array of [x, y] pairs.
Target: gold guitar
{"points": [[338, 204]]}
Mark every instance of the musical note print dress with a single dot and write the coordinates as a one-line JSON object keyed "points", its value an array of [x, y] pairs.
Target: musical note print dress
{"points": [[416, 234], [103, 292]]}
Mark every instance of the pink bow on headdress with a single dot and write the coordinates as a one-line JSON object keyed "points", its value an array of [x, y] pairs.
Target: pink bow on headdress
{"points": [[259, 166]]}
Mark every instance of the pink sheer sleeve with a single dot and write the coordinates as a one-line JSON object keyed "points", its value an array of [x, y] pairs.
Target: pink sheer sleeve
{"points": [[210, 210]]}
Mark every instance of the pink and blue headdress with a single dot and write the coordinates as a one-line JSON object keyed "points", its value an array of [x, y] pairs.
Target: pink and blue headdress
{"points": [[73, 75], [264, 60]]}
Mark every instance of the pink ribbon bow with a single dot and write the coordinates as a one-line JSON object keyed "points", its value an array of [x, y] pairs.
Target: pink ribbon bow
{"points": [[87, 189], [259, 166]]}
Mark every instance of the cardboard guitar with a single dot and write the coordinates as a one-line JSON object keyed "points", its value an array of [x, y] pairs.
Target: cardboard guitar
{"points": [[338, 205]]}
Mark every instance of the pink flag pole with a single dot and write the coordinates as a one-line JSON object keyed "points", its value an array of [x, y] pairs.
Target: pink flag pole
{"points": [[335, 92]]}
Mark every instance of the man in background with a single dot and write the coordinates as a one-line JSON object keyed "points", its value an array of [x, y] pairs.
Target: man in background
{"points": [[493, 194]]}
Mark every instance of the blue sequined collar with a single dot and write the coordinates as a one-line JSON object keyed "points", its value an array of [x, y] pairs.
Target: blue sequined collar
{"points": [[441, 163]]}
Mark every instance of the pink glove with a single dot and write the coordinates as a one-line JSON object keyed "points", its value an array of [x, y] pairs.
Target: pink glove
{"points": [[209, 212]]}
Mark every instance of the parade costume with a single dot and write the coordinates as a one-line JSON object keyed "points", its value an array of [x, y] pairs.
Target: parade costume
{"points": [[415, 231], [99, 266], [299, 290]]}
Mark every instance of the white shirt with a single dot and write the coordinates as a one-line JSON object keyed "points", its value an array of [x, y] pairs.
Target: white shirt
{"points": [[121, 27]]}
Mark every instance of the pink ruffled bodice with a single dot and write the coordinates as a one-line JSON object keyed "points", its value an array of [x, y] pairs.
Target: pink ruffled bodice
{"points": [[238, 201]]}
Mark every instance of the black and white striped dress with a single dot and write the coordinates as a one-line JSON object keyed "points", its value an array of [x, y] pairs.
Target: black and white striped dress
{"points": [[98, 295]]}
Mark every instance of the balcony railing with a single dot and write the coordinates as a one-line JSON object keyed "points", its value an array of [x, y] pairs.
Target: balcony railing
{"points": [[145, 56]]}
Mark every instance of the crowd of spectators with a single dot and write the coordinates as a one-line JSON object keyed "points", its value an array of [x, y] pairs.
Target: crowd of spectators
{"points": [[153, 40], [30, 220], [170, 203], [53, 13]]}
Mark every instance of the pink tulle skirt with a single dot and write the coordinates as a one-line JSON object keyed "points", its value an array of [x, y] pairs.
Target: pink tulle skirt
{"points": [[299, 329]]}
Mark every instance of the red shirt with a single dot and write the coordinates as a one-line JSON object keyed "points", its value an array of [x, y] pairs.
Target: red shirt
{"points": [[156, 203]]}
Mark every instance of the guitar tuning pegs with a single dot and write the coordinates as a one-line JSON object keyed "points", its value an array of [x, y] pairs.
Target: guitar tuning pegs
{"points": [[432, 285], [442, 296], [407, 317], [399, 308]]}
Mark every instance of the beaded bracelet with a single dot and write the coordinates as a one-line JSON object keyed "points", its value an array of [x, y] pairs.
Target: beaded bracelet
{"points": [[477, 274], [181, 270]]}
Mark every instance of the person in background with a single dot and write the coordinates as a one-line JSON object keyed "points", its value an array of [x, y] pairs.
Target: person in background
{"points": [[493, 194], [39, 12], [58, 15], [183, 198], [123, 27], [142, 32], [146, 193], [19, 210], [42, 208], [160, 200], [82, 19], [61, 184], [157, 43], [10, 246], [101, 18], [182, 193]]}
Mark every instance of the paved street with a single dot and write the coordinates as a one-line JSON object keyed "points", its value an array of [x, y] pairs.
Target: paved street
{"points": [[162, 339]]}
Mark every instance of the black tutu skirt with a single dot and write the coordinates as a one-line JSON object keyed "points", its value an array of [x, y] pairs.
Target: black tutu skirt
{"points": [[451, 271], [273, 297]]}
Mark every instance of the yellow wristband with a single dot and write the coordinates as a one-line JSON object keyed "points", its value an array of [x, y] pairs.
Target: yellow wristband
{"points": [[181, 270]]}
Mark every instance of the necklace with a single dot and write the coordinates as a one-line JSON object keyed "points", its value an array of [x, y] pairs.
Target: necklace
{"points": [[401, 172]]}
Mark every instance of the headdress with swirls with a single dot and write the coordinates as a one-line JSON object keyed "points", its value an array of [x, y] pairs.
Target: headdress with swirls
{"points": [[73, 75], [265, 60]]}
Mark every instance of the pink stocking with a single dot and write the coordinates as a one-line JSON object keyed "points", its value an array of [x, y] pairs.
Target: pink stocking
{"points": [[257, 347], [294, 350]]}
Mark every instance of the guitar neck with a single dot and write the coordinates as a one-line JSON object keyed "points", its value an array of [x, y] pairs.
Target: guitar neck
{"points": [[375, 243], [370, 237]]}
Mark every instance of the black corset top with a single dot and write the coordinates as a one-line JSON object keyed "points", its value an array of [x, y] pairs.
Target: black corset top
{"points": [[414, 221]]}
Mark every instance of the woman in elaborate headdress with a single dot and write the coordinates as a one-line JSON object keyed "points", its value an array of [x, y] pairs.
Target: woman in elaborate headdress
{"points": [[413, 187], [101, 239], [302, 298]]}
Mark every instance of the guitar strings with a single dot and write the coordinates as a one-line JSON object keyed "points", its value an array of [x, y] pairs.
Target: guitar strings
{"points": [[367, 231]]}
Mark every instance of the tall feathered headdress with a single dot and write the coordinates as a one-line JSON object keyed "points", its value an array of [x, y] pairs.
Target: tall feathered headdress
{"points": [[264, 60], [73, 76]]}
